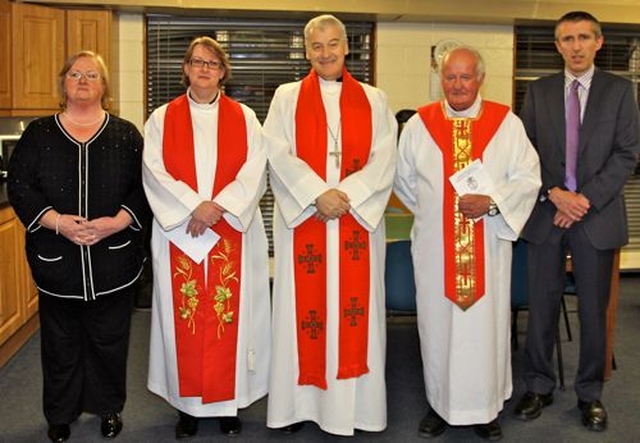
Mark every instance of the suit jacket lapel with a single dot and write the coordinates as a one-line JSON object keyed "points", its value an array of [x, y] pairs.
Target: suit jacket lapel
{"points": [[589, 121], [556, 110]]}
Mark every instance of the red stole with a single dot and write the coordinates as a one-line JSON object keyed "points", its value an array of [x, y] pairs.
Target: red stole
{"points": [[206, 313], [310, 239], [460, 139]]}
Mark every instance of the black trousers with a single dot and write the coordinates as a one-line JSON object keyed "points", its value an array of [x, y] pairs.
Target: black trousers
{"points": [[84, 349], [592, 272]]}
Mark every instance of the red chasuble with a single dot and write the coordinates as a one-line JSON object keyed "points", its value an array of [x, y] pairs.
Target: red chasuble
{"points": [[310, 239], [462, 140], [206, 313]]}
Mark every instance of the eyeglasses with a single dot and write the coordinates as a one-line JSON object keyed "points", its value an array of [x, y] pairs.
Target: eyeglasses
{"points": [[211, 64], [91, 76]]}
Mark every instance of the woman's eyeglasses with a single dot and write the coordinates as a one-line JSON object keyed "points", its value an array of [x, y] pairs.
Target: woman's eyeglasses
{"points": [[91, 76], [211, 64]]}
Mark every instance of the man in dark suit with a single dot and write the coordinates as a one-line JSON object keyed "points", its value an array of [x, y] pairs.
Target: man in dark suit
{"points": [[581, 209]]}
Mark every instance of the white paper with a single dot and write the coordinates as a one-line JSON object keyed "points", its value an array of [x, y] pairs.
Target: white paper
{"points": [[474, 179], [196, 248]]}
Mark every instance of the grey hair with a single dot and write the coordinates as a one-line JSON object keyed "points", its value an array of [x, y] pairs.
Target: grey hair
{"points": [[480, 66], [320, 22]]}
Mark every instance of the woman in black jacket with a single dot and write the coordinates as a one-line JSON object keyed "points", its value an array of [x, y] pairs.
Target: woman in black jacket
{"points": [[75, 183]]}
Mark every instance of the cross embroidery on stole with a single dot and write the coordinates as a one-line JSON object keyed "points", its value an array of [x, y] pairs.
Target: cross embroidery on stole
{"points": [[310, 259], [355, 245], [313, 325], [353, 310], [354, 167]]}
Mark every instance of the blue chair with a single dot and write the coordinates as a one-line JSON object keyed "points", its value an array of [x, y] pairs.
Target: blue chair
{"points": [[399, 280]]}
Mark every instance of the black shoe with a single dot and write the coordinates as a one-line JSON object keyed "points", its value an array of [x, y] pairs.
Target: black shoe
{"points": [[230, 426], [58, 433], [292, 428], [531, 404], [111, 424], [490, 431], [594, 417], [431, 425], [187, 426]]}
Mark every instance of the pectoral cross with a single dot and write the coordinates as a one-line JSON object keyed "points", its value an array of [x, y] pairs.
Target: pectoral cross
{"points": [[336, 152]]}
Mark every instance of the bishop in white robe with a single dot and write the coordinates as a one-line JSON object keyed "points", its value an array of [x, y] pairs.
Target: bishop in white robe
{"points": [[350, 403]]}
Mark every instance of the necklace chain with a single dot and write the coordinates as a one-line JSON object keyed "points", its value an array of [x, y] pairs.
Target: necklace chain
{"points": [[68, 117], [336, 152]]}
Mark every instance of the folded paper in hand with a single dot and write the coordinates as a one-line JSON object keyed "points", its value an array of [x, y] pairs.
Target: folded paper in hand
{"points": [[196, 248], [474, 179]]}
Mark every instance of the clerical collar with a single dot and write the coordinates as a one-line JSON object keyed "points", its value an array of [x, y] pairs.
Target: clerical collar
{"points": [[471, 112], [209, 103], [325, 81]]}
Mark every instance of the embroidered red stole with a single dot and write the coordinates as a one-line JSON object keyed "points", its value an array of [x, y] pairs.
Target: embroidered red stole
{"points": [[206, 313], [462, 140], [310, 239]]}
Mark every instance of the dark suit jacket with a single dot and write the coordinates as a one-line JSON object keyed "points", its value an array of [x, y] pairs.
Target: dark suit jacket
{"points": [[609, 143]]}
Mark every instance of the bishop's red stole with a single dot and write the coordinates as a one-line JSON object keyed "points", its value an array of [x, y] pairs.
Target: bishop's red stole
{"points": [[206, 313], [462, 140], [310, 239]]}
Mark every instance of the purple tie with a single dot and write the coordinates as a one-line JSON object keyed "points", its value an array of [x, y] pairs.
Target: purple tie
{"points": [[573, 131]]}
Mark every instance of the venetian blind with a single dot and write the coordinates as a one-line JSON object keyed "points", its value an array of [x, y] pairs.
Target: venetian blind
{"points": [[536, 56], [264, 53]]}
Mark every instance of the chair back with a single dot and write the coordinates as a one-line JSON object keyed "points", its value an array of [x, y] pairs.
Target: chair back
{"points": [[519, 286], [399, 280]]}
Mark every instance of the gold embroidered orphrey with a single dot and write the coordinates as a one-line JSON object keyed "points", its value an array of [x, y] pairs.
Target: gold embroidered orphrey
{"points": [[465, 259]]}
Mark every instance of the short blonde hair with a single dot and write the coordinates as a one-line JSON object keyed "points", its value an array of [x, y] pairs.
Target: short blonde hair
{"points": [[212, 46], [102, 70]]}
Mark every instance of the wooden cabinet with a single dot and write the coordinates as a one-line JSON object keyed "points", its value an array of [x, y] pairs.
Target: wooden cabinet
{"points": [[5, 56], [11, 306], [37, 52], [89, 30], [41, 38], [18, 294]]}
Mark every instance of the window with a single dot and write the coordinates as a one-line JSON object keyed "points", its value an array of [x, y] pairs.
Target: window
{"points": [[264, 53]]}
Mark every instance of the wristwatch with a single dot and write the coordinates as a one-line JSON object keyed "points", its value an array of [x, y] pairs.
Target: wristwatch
{"points": [[493, 209]]}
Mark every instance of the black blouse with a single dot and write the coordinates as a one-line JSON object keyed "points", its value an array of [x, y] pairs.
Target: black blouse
{"points": [[97, 178]]}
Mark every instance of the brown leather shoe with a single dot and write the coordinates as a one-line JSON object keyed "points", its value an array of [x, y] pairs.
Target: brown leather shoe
{"points": [[490, 431], [431, 425], [530, 405], [594, 416]]}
